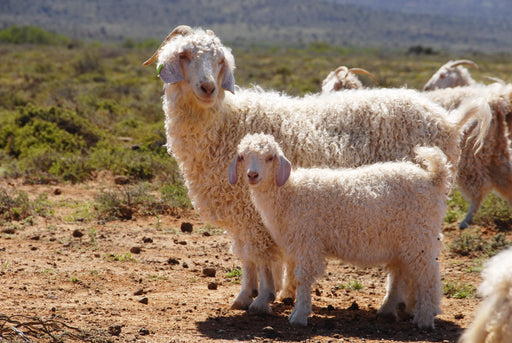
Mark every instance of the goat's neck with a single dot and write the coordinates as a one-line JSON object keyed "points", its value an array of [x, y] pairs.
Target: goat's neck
{"points": [[270, 208]]}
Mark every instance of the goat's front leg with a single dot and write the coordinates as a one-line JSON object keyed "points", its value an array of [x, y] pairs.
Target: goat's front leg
{"points": [[267, 291], [249, 286]]}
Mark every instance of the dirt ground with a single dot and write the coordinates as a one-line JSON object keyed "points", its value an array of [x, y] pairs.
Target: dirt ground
{"points": [[143, 280]]}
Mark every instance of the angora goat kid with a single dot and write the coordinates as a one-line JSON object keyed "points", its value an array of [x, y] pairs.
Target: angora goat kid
{"points": [[315, 213], [493, 321], [204, 125]]}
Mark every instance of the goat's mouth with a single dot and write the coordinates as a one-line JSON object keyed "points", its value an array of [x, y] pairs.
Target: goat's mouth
{"points": [[253, 182], [207, 100]]}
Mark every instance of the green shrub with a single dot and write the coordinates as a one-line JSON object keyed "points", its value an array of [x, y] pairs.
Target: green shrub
{"points": [[176, 195], [31, 35], [471, 243], [494, 212], [14, 205]]}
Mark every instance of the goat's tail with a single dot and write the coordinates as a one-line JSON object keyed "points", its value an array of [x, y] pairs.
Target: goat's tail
{"points": [[434, 161], [473, 109]]}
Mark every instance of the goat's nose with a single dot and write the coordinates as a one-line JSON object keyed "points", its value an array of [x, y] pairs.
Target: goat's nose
{"points": [[252, 175], [208, 87]]}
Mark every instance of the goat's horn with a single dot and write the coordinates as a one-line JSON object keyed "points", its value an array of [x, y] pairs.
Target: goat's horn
{"points": [[363, 71], [464, 62], [339, 70], [182, 30]]}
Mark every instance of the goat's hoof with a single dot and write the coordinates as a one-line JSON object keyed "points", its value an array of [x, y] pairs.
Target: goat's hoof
{"points": [[260, 308], [298, 320], [463, 225], [241, 303], [424, 322]]}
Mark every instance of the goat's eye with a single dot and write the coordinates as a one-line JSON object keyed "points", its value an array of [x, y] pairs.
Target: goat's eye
{"points": [[240, 158], [270, 158], [184, 56]]}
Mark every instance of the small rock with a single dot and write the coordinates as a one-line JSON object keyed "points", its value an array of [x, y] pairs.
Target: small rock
{"points": [[9, 231], [212, 285], [144, 300], [147, 240], [270, 332], [318, 292], [330, 308], [144, 332], [206, 234], [115, 330], [35, 238], [459, 316], [125, 212], [354, 306], [121, 180], [57, 191], [288, 301], [77, 233], [135, 250], [185, 265], [172, 261], [186, 227], [139, 292], [210, 272]]}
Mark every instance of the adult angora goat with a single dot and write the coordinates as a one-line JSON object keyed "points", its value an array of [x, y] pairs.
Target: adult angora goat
{"points": [[204, 125]]}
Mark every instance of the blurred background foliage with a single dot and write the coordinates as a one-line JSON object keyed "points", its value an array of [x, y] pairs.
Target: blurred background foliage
{"points": [[69, 109]]}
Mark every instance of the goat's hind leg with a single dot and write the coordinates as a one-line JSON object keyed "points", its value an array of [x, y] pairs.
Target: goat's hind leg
{"points": [[396, 291]]}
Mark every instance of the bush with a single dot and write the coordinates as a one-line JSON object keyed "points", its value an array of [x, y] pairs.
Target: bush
{"points": [[472, 244], [31, 35], [15, 205]]}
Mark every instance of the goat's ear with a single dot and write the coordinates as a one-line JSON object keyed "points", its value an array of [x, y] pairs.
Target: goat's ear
{"points": [[170, 72], [232, 174], [283, 171], [228, 79]]}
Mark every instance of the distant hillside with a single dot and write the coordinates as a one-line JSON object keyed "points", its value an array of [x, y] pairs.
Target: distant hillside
{"points": [[270, 21], [480, 9]]}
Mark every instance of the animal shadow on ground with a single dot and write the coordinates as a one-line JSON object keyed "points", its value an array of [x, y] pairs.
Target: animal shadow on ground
{"points": [[351, 323]]}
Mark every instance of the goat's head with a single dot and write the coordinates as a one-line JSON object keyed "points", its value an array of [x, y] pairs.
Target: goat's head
{"points": [[261, 160], [198, 60], [452, 74], [344, 78]]}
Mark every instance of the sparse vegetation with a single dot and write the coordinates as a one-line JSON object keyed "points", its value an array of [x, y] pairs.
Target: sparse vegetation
{"points": [[125, 257], [471, 243], [234, 275], [353, 285], [458, 290]]}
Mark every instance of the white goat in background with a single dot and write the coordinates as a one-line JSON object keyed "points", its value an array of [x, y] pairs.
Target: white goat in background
{"points": [[344, 78], [452, 74]]}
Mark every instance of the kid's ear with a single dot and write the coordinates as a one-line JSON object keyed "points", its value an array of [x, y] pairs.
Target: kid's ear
{"points": [[283, 171], [232, 174]]}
